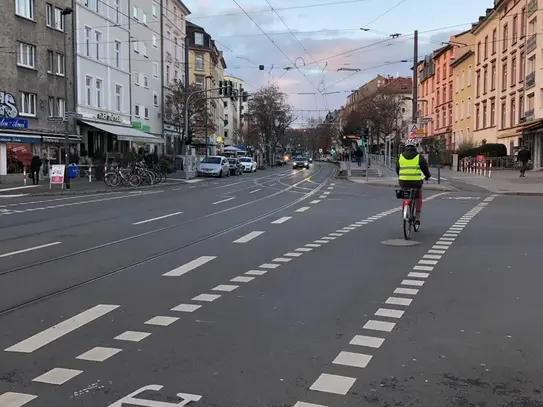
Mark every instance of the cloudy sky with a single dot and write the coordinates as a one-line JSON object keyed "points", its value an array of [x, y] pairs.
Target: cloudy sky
{"points": [[315, 38]]}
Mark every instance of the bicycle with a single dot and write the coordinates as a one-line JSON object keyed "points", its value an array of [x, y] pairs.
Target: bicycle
{"points": [[409, 203]]}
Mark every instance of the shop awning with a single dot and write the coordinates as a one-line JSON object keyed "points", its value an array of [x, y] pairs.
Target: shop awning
{"points": [[125, 133]]}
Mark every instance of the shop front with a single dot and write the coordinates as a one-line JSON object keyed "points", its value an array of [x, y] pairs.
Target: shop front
{"points": [[16, 152]]}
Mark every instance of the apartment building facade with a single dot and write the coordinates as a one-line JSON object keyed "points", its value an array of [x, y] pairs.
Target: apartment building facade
{"points": [[234, 113], [36, 83], [426, 95], [172, 65], [462, 67]]}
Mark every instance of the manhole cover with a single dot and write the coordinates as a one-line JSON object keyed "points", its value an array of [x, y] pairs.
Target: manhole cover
{"points": [[400, 242]]}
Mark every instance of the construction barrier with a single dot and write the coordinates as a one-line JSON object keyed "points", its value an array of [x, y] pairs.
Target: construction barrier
{"points": [[473, 166]]}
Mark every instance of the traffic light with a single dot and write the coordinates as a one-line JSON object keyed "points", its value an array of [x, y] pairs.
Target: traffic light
{"points": [[365, 135], [230, 88], [221, 87], [245, 97]]}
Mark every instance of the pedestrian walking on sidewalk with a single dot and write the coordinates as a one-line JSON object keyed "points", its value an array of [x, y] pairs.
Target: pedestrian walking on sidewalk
{"points": [[523, 157], [35, 165]]}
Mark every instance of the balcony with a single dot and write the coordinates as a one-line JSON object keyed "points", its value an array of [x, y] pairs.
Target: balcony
{"points": [[531, 44], [531, 8], [530, 80]]}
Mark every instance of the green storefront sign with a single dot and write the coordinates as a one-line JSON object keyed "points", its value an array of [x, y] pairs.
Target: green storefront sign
{"points": [[142, 127]]}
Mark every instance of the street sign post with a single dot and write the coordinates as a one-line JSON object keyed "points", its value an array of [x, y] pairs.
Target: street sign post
{"points": [[75, 115], [55, 119]]}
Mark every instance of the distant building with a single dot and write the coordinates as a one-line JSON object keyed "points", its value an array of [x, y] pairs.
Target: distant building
{"points": [[234, 113]]}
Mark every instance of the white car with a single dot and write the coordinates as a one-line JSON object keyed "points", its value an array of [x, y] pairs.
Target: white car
{"points": [[249, 165], [215, 166]]}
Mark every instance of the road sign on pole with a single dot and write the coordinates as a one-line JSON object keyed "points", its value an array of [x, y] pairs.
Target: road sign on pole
{"points": [[74, 115], [55, 119]]}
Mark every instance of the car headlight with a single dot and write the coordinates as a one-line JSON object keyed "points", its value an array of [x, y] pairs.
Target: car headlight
{"points": [[306, 163]]}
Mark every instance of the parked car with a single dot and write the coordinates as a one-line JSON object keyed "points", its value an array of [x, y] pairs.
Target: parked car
{"points": [[215, 166], [300, 162], [235, 166], [249, 165]]}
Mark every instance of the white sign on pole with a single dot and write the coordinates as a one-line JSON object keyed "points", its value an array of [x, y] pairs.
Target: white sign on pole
{"points": [[57, 175]]}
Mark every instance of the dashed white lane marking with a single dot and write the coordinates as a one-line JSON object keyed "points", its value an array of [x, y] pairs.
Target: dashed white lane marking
{"points": [[59, 330], [249, 236], [98, 354], [191, 265], [281, 260], [333, 184], [304, 249], [186, 308], [57, 376], [408, 291], [418, 275], [302, 404], [281, 220], [423, 268], [225, 287], [326, 193], [336, 234], [29, 249], [11, 399], [313, 245], [352, 359], [255, 273], [302, 209], [379, 325], [292, 254], [316, 201], [206, 297], [224, 200], [161, 321], [328, 238], [431, 262], [322, 196], [132, 336], [398, 301], [321, 241], [242, 279], [367, 341], [141, 222], [335, 384], [330, 188], [342, 231], [389, 313], [415, 283], [255, 191], [268, 266]]}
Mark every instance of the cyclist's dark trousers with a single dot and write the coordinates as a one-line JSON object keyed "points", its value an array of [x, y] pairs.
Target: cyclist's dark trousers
{"points": [[416, 185]]}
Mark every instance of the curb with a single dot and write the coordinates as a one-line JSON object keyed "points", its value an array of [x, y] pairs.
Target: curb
{"points": [[512, 193], [94, 191]]}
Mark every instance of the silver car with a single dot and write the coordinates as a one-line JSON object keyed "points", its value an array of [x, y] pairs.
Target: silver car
{"points": [[215, 166]]}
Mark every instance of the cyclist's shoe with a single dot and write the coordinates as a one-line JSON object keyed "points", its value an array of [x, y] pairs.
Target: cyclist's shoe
{"points": [[417, 219]]}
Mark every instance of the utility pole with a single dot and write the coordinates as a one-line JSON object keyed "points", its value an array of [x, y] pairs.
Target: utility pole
{"points": [[65, 12], [415, 76], [187, 86]]}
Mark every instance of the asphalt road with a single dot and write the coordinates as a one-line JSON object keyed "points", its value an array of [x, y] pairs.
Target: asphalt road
{"points": [[270, 289]]}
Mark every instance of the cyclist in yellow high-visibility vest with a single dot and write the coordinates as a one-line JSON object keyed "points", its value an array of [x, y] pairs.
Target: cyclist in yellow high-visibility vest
{"points": [[409, 167]]}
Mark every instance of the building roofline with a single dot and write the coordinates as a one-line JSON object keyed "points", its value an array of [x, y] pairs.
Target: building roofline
{"points": [[440, 51], [185, 8], [483, 20], [461, 59]]}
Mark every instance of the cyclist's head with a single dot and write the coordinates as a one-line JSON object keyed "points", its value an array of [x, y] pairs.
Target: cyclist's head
{"points": [[411, 144]]}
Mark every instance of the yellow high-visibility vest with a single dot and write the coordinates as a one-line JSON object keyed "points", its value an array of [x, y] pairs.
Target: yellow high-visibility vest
{"points": [[409, 169]]}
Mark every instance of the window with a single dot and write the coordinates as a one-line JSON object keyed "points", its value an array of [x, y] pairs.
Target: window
{"points": [[136, 45], [98, 89], [199, 82], [492, 112], [118, 54], [60, 65], [520, 106], [88, 90], [50, 61], [155, 10], [176, 74], [456, 111], [27, 55], [49, 16], [136, 78], [478, 84], [505, 37], [462, 110], [530, 102], [515, 29], [438, 76], [51, 106], [521, 68], [28, 104], [457, 83], [468, 109], [477, 115], [494, 40], [25, 8], [144, 48], [437, 97], [199, 62], [169, 42], [463, 79], [504, 75], [137, 110], [503, 116], [117, 11], [493, 76], [88, 33], [135, 12], [513, 111], [478, 53], [532, 28], [523, 22], [155, 41], [168, 74], [144, 18], [469, 75], [484, 115], [118, 97], [513, 70], [199, 38], [61, 107], [155, 99], [175, 48], [146, 111], [166, 7], [175, 17], [531, 64], [146, 81], [485, 80], [155, 69], [59, 19], [486, 47], [98, 38]]}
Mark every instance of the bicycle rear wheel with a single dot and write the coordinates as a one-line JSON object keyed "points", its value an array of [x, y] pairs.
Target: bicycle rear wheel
{"points": [[413, 217], [406, 213]]}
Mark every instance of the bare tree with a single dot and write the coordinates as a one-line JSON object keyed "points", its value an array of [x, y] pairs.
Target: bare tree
{"points": [[200, 120]]}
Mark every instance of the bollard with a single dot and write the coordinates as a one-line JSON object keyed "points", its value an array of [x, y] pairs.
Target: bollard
{"points": [[490, 169], [484, 169], [24, 177], [90, 172]]}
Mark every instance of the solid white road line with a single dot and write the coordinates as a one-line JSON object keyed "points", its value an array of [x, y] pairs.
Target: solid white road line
{"points": [[161, 321], [379, 325], [10, 399], [281, 220], [57, 376], [302, 209], [157, 218], [186, 308], [248, 237], [58, 331], [191, 265], [368, 341], [29, 249], [255, 191], [132, 336], [224, 200], [352, 359], [17, 188], [98, 354], [329, 383]]}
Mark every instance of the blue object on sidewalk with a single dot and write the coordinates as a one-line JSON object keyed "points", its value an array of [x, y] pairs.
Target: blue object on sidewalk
{"points": [[72, 171]]}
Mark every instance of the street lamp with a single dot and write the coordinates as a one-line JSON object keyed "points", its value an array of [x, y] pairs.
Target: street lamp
{"points": [[64, 13]]}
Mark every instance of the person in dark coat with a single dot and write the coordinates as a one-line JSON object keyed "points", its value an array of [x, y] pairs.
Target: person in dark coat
{"points": [[523, 157], [35, 165]]}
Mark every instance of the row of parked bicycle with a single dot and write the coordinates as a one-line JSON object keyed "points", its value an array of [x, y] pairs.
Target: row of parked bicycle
{"points": [[135, 175]]}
